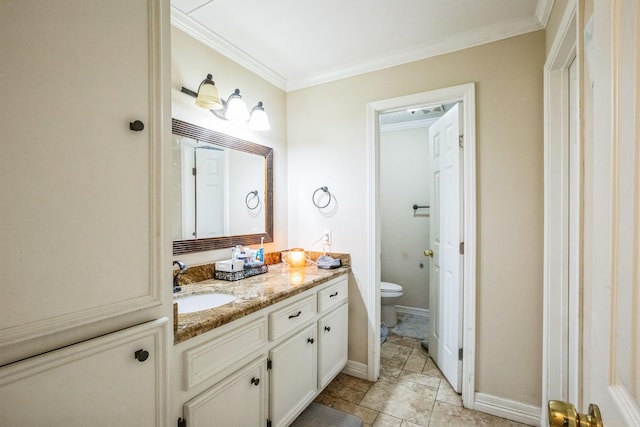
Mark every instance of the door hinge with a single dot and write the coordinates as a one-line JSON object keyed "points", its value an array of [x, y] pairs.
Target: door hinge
{"points": [[193, 171], [461, 248], [182, 422], [269, 364], [268, 423], [460, 354], [461, 141]]}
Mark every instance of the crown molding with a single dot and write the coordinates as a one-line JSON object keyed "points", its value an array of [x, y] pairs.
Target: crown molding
{"points": [[193, 28], [462, 41], [543, 11]]}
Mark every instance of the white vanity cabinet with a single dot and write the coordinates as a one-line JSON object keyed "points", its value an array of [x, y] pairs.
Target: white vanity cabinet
{"points": [[332, 344], [116, 379], [293, 376], [239, 400], [302, 342], [81, 182]]}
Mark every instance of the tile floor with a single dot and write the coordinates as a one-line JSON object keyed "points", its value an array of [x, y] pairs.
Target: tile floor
{"points": [[410, 392]]}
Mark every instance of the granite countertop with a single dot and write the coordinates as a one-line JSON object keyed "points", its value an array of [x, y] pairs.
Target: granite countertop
{"points": [[253, 293]]}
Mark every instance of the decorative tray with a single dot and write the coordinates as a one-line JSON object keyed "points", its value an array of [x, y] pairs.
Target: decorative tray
{"points": [[232, 276]]}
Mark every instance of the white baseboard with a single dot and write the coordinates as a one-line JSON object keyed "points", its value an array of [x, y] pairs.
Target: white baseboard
{"points": [[418, 312], [356, 369], [509, 409]]}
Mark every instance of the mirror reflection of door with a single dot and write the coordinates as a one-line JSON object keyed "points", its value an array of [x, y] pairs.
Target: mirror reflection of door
{"points": [[203, 190], [210, 191]]}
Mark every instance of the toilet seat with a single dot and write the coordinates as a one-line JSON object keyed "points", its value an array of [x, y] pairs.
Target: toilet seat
{"points": [[388, 289]]}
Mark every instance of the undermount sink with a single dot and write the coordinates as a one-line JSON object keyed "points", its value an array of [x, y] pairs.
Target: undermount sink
{"points": [[199, 302]]}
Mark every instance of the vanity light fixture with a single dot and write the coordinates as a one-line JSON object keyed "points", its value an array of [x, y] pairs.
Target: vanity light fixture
{"points": [[233, 109]]}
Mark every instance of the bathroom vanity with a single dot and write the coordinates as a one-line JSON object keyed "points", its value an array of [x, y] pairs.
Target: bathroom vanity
{"points": [[261, 359]]}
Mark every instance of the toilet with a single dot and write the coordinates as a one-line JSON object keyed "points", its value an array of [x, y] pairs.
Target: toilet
{"points": [[389, 294]]}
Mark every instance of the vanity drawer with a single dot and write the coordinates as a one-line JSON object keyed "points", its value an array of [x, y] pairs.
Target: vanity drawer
{"points": [[290, 317], [225, 353], [332, 296]]}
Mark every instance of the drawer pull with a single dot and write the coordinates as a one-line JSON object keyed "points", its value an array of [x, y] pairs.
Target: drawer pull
{"points": [[333, 294], [327, 328], [310, 340], [141, 355], [255, 381], [295, 315]]}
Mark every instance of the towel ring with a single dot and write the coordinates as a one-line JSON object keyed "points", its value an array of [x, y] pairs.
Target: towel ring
{"points": [[313, 197], [248, 199]]}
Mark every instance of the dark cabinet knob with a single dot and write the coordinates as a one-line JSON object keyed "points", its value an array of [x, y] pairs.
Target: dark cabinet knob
{"points": [[335, 294], [255, 381], [327, 328], [136, 126], [141, 355], [310, 340], [295, 315]]}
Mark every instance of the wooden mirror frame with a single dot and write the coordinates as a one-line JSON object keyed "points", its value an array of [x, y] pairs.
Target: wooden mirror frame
{"points": [[180, 128]]}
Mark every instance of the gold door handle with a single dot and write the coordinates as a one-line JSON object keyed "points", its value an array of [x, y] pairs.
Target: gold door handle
{"points": [[428, 252], [565, 414]]}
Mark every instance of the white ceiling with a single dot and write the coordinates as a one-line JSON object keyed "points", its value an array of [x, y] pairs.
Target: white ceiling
{"points": [[300, 43]]}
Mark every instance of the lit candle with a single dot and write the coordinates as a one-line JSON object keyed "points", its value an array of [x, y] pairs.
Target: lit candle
{"points": [[296, 258]]}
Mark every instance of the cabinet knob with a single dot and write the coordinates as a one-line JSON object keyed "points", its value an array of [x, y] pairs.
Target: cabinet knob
{"points": [[136, 126], [255, 381], [335, 294], [141, 355], [327, 328], [295, 315], [310, 340]]}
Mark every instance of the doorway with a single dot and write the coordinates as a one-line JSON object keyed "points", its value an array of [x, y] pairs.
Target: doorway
{"points": [[466, 94], [563, 222]]}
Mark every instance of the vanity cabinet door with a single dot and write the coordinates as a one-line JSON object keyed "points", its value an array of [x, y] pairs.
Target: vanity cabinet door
{"points": [[293, 376], [332, 344], [113, 380], [239, 400], [80, 223]]}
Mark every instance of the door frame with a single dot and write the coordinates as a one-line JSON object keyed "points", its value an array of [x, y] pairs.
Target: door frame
{"points": [[466, 94], [561, 365]]}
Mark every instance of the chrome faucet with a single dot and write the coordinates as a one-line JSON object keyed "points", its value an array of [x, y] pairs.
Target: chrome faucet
{"points": [[182, 268]]}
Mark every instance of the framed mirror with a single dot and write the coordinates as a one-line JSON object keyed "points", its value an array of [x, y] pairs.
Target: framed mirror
{"points": [[223, 190]]}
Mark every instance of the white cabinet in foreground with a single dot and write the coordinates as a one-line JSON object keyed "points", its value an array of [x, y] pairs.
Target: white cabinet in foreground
{"points": [[115, 379]]}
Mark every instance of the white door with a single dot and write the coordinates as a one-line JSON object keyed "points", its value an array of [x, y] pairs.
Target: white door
{"points": [[445, 341], [210, 185], [612, 214]]}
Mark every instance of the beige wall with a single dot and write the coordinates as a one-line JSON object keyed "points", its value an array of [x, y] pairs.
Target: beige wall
{"points": [[327, 145], [191, 61], [404, 181]]}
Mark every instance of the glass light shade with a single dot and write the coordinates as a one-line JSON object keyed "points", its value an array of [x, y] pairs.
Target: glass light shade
{"points": [[259, 119], [208, 96], [236, 108]]}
